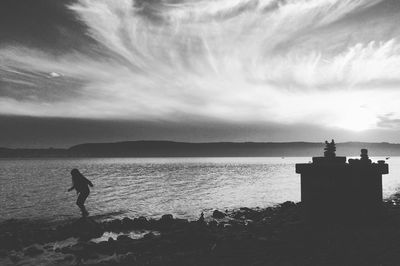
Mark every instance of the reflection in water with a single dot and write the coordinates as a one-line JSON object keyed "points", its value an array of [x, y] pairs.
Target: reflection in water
{"points": [[152, 186]]}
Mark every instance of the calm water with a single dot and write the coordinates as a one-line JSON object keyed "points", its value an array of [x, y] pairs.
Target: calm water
{"points": [[37, 188]]}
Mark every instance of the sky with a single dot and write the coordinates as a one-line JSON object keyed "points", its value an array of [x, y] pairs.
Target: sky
{"points": [[74, 71]]}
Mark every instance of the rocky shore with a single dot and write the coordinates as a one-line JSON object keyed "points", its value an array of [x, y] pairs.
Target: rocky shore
{"points": [[271, 236]]}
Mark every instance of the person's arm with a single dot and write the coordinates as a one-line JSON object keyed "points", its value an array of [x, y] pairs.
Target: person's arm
{"points": [[71, 188], [88, 182]]}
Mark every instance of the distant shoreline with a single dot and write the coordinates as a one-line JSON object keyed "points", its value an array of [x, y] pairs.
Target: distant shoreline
{"points": [[154, 149]]}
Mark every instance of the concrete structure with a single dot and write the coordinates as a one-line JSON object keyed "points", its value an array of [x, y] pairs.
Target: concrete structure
{"points": [[333, 190]]}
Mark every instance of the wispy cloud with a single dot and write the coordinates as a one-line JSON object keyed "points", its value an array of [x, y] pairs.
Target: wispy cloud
{"points": [[274, 61]]}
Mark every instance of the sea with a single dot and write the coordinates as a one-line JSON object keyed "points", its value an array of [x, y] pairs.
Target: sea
{"points": [[151, 187]]}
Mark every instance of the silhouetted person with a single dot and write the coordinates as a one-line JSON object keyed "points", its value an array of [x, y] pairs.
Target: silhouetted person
{"points": [[81, 185], [201, 219]]}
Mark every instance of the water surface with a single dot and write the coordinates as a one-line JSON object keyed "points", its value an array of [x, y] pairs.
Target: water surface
{"points": [[37, 188]]}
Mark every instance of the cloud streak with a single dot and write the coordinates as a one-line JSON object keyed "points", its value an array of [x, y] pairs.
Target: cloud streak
{"points": [[269, 61]]}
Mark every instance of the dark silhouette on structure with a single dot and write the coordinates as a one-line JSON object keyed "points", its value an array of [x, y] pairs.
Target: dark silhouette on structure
{"points": [[335, 191], [81, 185], [330, 149]]}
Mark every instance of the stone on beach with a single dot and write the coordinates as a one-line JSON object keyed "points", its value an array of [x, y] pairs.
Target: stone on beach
{"points": [[270, 236], [33, 251], [218, 214]]}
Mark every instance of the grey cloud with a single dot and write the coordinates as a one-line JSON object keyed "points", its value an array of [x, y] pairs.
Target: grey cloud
{"points": [[387, 121], [41, 23]]}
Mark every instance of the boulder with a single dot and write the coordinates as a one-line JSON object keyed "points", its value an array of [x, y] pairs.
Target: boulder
{"points": [[167, 217], [247, 213], [218, 214], [287, 205], [127, 223], [165, 222], [141, 222], [123, 238], [33, 251]]}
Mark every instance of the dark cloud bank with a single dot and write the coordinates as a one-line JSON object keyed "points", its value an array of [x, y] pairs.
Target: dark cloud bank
{"points": [[30, 132], [45, 24]]}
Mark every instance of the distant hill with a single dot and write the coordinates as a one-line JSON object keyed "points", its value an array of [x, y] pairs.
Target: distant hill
{"points": [[213, 149]]}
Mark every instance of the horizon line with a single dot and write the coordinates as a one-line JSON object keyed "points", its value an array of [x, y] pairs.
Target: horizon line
{"points": [[191, 142]]}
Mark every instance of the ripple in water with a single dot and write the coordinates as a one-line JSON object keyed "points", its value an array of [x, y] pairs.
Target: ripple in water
{"points": [[185, 187]]}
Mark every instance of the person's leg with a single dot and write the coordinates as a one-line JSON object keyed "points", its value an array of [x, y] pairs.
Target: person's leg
{"points": [[85, 213], [81, 202]]}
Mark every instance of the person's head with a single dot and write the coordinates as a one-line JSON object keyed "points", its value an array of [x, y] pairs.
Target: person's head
{"points": [[76, 175]]}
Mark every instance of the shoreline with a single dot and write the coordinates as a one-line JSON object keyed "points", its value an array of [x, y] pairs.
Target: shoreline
{"points": [[270, 236]]}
